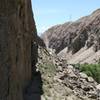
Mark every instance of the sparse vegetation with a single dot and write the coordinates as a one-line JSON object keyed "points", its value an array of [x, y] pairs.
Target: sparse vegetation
{"points": [[48, 68]]}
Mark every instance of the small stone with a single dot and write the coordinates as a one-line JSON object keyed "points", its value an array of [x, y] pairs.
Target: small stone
{"points": [[72, 75], [69, 71], [42, 98], [83, 75], [70, 66], [90, 79], [56, 78], [92, 94], [98, 87], [59, 80], [60, 68]]}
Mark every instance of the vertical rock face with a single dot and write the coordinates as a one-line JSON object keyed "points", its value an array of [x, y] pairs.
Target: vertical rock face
{"points": [[17, 36]]}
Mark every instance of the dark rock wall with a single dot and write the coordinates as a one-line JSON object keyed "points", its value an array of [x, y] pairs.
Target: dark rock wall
{"points": [[17, 37]]}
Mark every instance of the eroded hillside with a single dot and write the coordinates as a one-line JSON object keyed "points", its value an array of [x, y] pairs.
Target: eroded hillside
{"points": [[76, 38]]}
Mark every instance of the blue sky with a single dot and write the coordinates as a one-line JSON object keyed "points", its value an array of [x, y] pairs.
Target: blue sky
{"points": [[51, 12]]}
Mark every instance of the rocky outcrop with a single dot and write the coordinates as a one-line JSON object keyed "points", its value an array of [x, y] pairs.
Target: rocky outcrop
{"points": [[18, 50], [84, 32], [62, 81]]}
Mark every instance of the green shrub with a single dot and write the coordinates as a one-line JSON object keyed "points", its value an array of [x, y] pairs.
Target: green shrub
{"points": [[92, 70]]}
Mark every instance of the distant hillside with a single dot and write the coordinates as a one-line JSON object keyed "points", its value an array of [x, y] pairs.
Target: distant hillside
{"points": [[77, 41]]}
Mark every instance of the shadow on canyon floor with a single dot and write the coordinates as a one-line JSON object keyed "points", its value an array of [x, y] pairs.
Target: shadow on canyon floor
{"points": [[34, 90]]}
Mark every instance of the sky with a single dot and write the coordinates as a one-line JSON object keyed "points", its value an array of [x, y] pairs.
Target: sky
{"points": [[48, 13]]}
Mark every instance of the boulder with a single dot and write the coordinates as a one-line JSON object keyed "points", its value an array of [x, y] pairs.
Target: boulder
{"points": [[98, 87], [83, 75], [90, 79]]}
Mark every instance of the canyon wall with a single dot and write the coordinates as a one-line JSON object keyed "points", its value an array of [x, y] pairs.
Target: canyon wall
{"points": [[18, 49]]}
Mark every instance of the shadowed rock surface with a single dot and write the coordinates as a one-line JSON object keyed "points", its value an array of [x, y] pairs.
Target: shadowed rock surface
{"points": [[18, 49]]}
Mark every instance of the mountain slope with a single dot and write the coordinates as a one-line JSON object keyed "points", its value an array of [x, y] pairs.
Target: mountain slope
{"points": [[83, 33]]}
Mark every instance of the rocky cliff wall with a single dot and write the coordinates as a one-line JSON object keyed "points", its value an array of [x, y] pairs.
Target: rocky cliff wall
{"points": [[17, 40]]}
